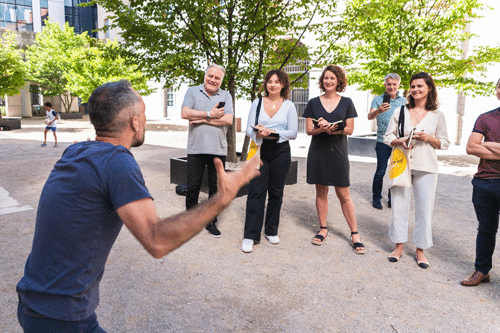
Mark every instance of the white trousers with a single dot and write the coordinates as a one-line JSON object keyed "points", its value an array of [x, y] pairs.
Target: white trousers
{"points": [[424, 192]]}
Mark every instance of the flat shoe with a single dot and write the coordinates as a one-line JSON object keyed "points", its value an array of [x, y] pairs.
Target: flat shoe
{"points": [[357, 247], [319, 239], [422, 264], [394, 259]]}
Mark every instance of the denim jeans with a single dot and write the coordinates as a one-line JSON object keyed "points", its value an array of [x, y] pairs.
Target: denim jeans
{"points": [[196, 164], [276, 161], [383, 154], [33, 322], [486, 200]]}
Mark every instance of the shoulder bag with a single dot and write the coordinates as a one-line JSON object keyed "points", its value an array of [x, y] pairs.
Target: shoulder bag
{"points": [[254, 148], [399, 167]]}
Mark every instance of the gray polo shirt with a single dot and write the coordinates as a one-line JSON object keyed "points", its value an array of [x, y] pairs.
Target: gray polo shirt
{"points": [[204, 138]]}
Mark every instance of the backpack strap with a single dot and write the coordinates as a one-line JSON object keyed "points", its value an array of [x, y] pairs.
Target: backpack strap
{"points": [[401, 123]]}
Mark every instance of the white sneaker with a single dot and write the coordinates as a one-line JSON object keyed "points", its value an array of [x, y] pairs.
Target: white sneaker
{"points": [[273, 239], [247, 245]]}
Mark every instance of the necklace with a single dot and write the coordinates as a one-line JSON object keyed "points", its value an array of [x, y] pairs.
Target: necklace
{"points": [[420, 114], [332, 101], [274, 103]]}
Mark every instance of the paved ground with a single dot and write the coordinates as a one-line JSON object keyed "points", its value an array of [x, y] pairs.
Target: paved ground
{"points": [[209, 285]]}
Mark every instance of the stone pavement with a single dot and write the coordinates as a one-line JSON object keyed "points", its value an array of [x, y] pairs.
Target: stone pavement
{"points": [[209, 285]]}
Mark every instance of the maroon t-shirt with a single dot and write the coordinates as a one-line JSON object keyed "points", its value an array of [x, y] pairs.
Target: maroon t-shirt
{"points": [[488, 124]]}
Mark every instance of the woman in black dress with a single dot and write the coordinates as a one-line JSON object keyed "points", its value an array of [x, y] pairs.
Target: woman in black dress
{"points": [[327, 160]]}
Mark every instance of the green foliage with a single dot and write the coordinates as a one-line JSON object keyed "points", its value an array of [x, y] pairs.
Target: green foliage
{"points": [[175, 40], [12, 66], [102, 62], [72, 65], [407, 37]]}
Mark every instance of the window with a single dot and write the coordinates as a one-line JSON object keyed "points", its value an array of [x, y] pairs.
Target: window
{"points": [[16, 15], [44, 10], [107, 24], [81, 18], [35, 95], [170, 97]]}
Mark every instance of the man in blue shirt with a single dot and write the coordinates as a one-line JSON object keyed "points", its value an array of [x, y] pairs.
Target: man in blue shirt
{"points": [[93, 190], [383, 113]]}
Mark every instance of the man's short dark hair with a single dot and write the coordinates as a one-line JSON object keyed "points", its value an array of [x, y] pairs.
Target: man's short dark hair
{"points": [[48, 104], [106, 104]]}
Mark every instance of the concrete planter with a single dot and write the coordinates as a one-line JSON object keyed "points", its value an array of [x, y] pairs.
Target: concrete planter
{"points": [[71, 115], [178, 175], [10, 124], [362, 146]]}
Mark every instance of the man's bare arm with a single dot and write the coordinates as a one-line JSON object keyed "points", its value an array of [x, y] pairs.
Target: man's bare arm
{"points": [[191, 114], [226, 120], [161, 236], [486, 150]]}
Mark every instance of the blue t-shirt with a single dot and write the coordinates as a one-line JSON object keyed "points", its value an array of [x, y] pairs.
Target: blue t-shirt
{"points": [[76, 226], [384, 117]]}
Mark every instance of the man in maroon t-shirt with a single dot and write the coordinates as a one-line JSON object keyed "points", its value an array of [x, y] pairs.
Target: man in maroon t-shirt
{"points": [[484, 142]]}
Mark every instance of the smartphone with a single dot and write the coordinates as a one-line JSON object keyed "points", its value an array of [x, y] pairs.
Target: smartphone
{"points": [[410, 137], [254, 128], [386, 98], [274, 134], [221, 105]]}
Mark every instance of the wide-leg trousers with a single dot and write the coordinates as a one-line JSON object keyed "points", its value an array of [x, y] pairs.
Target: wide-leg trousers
{"points": [[276, 160], [424, 192]]}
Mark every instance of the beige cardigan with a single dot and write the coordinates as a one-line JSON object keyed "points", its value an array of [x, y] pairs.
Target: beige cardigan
{"points": [[423, 154]]}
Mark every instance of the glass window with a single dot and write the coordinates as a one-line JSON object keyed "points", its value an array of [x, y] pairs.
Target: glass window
{"points": [[44, 11], [24, 18], [17, 17], [106, 23]]}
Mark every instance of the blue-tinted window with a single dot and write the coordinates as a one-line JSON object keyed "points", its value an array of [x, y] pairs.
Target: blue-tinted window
{"points": [[44, 11], [81, 18], [16, 15]]}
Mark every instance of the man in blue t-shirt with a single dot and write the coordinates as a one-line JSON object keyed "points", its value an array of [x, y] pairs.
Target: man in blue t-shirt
{"points": [[383, 111], [93, 190]]}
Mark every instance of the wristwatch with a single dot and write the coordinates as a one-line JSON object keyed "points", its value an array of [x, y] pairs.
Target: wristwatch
{"points": [[208, 115]]}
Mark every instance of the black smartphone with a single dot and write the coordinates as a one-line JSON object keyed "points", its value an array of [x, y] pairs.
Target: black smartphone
{"points": [[254, 128], [274, 134], [221, 105], [386, 98]]}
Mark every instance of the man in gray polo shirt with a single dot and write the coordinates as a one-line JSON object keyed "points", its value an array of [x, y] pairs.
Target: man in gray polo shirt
{"points": [[208, 121]]}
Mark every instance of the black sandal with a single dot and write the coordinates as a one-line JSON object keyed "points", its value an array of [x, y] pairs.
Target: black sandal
{"points": [[358, 247], [321, 238]]}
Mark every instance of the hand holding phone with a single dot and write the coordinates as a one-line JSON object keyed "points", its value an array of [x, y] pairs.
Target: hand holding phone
{"points": [[221, 105], [386, 98]]}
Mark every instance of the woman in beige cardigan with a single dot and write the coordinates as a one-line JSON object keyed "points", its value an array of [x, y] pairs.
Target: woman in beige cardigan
{"points": [[422, 115]]}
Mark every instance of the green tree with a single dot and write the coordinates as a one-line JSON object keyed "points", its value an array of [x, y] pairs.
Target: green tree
{"points": [[175, 40], [50, 59], [410, 36], [72, 65], [12, 66], [103, 62]]}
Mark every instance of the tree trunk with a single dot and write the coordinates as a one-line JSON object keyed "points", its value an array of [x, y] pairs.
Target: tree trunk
{"points": [[231, 133]]}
